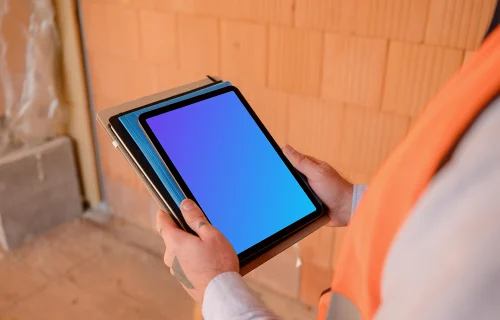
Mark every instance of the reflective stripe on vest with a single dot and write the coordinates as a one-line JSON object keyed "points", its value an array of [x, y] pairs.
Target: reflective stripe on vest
{"points": [[405, 175]]}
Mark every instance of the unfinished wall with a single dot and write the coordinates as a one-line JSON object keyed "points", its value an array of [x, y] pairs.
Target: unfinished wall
{"points": [[16, 17], [342, 80]]}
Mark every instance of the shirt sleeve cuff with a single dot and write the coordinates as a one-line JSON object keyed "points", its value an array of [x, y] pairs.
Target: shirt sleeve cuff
{"points": [[228, 297], [357, 193]]}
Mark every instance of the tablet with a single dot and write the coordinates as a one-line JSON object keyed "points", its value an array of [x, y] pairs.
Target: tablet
{"points": [[220, 155], [135, 146]]}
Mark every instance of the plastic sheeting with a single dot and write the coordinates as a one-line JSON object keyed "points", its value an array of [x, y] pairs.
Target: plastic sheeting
{"points": [[30, 94]]}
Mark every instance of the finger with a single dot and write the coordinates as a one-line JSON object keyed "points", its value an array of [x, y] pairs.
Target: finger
{"points": [[168, 257], [307, 165], [316, 161], [195, 218], [164, 222], [168, 229]]}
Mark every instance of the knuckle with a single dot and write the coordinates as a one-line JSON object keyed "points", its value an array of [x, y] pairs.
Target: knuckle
{"points": [[194, 221], [324, 169], [301, 160]]}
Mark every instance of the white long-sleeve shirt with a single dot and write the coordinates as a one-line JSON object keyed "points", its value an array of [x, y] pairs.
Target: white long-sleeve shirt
{"points": [[445, 261]]}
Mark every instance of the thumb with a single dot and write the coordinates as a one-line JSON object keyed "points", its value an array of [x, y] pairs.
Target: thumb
{"points": [[302, 163], [196, 219]]}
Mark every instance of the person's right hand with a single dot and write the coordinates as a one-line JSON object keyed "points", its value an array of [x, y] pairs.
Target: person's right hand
{"points": [[329, 186]]}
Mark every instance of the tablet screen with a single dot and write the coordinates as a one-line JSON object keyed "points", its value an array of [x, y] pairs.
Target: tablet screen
{"points": [[217, 149]]}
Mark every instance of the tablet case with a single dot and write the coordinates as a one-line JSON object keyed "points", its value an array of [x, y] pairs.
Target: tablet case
{"points": [[131, 123], [162, 200]]}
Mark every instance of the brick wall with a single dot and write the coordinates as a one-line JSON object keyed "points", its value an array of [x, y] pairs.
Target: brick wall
{"points": [[342, 80]]}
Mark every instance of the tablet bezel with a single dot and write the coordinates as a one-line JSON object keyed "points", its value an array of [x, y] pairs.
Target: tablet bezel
{"points": [[248, 254], [141, 161]]}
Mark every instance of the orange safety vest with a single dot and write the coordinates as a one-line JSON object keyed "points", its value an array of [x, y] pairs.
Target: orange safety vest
{"points": [[399, 183]]}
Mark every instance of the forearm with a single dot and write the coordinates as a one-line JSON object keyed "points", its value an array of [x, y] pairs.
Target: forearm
{"points": [[228, 297]]}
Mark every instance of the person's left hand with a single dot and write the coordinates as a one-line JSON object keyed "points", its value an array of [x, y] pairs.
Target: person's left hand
{"points": [[195, 261]]}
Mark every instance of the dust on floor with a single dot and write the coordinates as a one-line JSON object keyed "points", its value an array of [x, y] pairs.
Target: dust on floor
{"points": [[83, 270]]}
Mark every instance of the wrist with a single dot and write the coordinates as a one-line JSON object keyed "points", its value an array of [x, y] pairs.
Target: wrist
{"points": [[347, 203]]}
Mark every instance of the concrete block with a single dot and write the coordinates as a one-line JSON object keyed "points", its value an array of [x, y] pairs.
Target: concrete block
{"points": [[39, 189]]}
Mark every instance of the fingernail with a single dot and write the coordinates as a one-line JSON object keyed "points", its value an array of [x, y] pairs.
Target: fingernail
{"points": [[188, 204]]}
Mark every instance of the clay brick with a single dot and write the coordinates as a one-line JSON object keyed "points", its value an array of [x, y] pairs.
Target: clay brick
{"points": [[353, 176], [121, 79], [271, 108], [313, 281], [198, 43], [368, 137], [105, 150], [295, 60], [159, 5], [317, 248], [244, 52], [170, 78], [95, 27], [394, 19], [330, 15], [415, 73], [122, 25], [339, 238], [158, 37], [353, 70], [132, 202], [458, 23], [100, 103], [467, 55], [113, 164], [279, 274], [314, 128], [281, 306], [266, 11], [120, 170]]}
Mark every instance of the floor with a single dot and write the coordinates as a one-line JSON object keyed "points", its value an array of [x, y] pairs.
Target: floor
{"points": [[84, 270]]}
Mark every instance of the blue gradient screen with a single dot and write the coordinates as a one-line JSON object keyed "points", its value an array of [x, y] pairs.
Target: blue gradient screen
{"points": [[232, 170]]}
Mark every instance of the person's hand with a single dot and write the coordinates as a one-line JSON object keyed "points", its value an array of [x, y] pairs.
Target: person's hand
{"points": [[329, 186], [195, 261]]}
